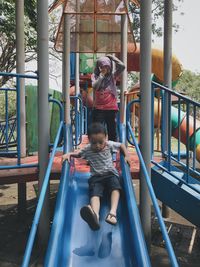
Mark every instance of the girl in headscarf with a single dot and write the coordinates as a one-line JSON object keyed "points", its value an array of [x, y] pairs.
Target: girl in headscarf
{"points": [[105, 93]]}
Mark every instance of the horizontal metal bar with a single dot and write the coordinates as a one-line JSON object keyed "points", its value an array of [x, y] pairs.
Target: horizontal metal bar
{"points": [[19, 166], [8, 89], [9, 151], [93, 13], [18, 75], [92, 32]]}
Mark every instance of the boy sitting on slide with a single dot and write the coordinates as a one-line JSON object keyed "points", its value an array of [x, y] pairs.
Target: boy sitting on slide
{"points": [[104, 176]]}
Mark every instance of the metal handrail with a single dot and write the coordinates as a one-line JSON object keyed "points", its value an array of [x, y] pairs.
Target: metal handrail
{"points": [[176, 93], [128, 116], [18, 76], [38, 211], [78, 121], [167, 150], [154, 200], [140, 247], [61, 111]]}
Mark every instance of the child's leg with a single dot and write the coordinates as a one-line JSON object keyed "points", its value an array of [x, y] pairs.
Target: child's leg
{"points": [[90, 213], [114, 201], [111, 218], [95, 204]]}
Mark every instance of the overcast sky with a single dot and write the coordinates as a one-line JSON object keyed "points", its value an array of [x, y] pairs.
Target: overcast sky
{"points": [[186, 43]]}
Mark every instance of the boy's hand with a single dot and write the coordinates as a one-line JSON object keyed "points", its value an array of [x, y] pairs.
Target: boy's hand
{"points": [[127, 160], [66, 157]]}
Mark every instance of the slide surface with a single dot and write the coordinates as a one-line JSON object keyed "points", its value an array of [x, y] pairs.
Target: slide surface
{"points": [[72, 243]]}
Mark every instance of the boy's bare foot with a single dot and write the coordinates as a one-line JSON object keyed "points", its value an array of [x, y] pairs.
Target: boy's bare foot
{"points": [[88, 215], [111, 219]]}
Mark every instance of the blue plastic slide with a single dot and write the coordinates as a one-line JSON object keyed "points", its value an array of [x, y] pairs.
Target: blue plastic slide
{"points": [[73, 244]]}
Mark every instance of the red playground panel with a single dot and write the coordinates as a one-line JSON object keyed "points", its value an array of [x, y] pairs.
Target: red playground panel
{"points": [[31, 174]]}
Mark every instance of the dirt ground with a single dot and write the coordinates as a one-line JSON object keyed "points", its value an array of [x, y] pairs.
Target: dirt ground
{"points": [[14, 231]]}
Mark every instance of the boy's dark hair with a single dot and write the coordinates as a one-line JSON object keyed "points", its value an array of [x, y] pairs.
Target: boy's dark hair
{"points": [[96, 128]]}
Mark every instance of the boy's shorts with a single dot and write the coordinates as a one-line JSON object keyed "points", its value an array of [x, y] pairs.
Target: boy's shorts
{"points": [[108, 184]]}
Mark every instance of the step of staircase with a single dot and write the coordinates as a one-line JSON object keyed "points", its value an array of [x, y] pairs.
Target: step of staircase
{"points": [[172, 189]]}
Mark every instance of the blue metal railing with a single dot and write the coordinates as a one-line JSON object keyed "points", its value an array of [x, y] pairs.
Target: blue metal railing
{"points": [[129, 139], [128, 117], [154, 200], [36, 219], [8, 137], [61, 113], [18, 77], [186, 129], [17, 90], [140, 247], [78, 120], [7, 127]]}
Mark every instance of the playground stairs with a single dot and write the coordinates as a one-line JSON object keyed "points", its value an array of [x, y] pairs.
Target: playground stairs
{"points": [[178, 190]]}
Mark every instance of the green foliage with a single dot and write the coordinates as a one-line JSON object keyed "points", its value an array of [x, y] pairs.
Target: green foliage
{"points": [[157, 15], [11, 104], [133, 78], [8, 37], [189, 84]]}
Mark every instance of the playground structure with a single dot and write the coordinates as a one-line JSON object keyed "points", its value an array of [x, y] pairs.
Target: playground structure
{"points": [[176, 187]]}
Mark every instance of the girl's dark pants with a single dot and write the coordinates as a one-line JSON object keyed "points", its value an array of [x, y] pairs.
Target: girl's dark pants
{"points": [[109, 118]]}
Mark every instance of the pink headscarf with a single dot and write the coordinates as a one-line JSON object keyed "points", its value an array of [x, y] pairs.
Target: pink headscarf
{"points": [[108, 80]]}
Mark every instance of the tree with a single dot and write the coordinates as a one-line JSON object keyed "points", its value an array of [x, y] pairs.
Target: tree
{"points": [[157, 14], [8, 37], [189, 84]]}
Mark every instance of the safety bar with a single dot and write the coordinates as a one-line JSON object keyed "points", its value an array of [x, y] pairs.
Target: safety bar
{"points": [[18, 76], [142, 256], [36, 219], [186, 130], [79, 119], [61, 111], [128, 115], [169, 247]]}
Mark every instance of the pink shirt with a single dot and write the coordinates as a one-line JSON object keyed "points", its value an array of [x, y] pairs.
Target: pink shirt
{"points": [[104, 99]]}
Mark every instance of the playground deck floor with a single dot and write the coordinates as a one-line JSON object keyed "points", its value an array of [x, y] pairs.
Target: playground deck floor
{"points": [[31, 174]]}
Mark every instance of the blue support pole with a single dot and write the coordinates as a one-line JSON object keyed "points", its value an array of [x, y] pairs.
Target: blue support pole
{"points": [[194, 143], [18, 123], [179, 132], [169, 132], [188, 140], [6, 118]]}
